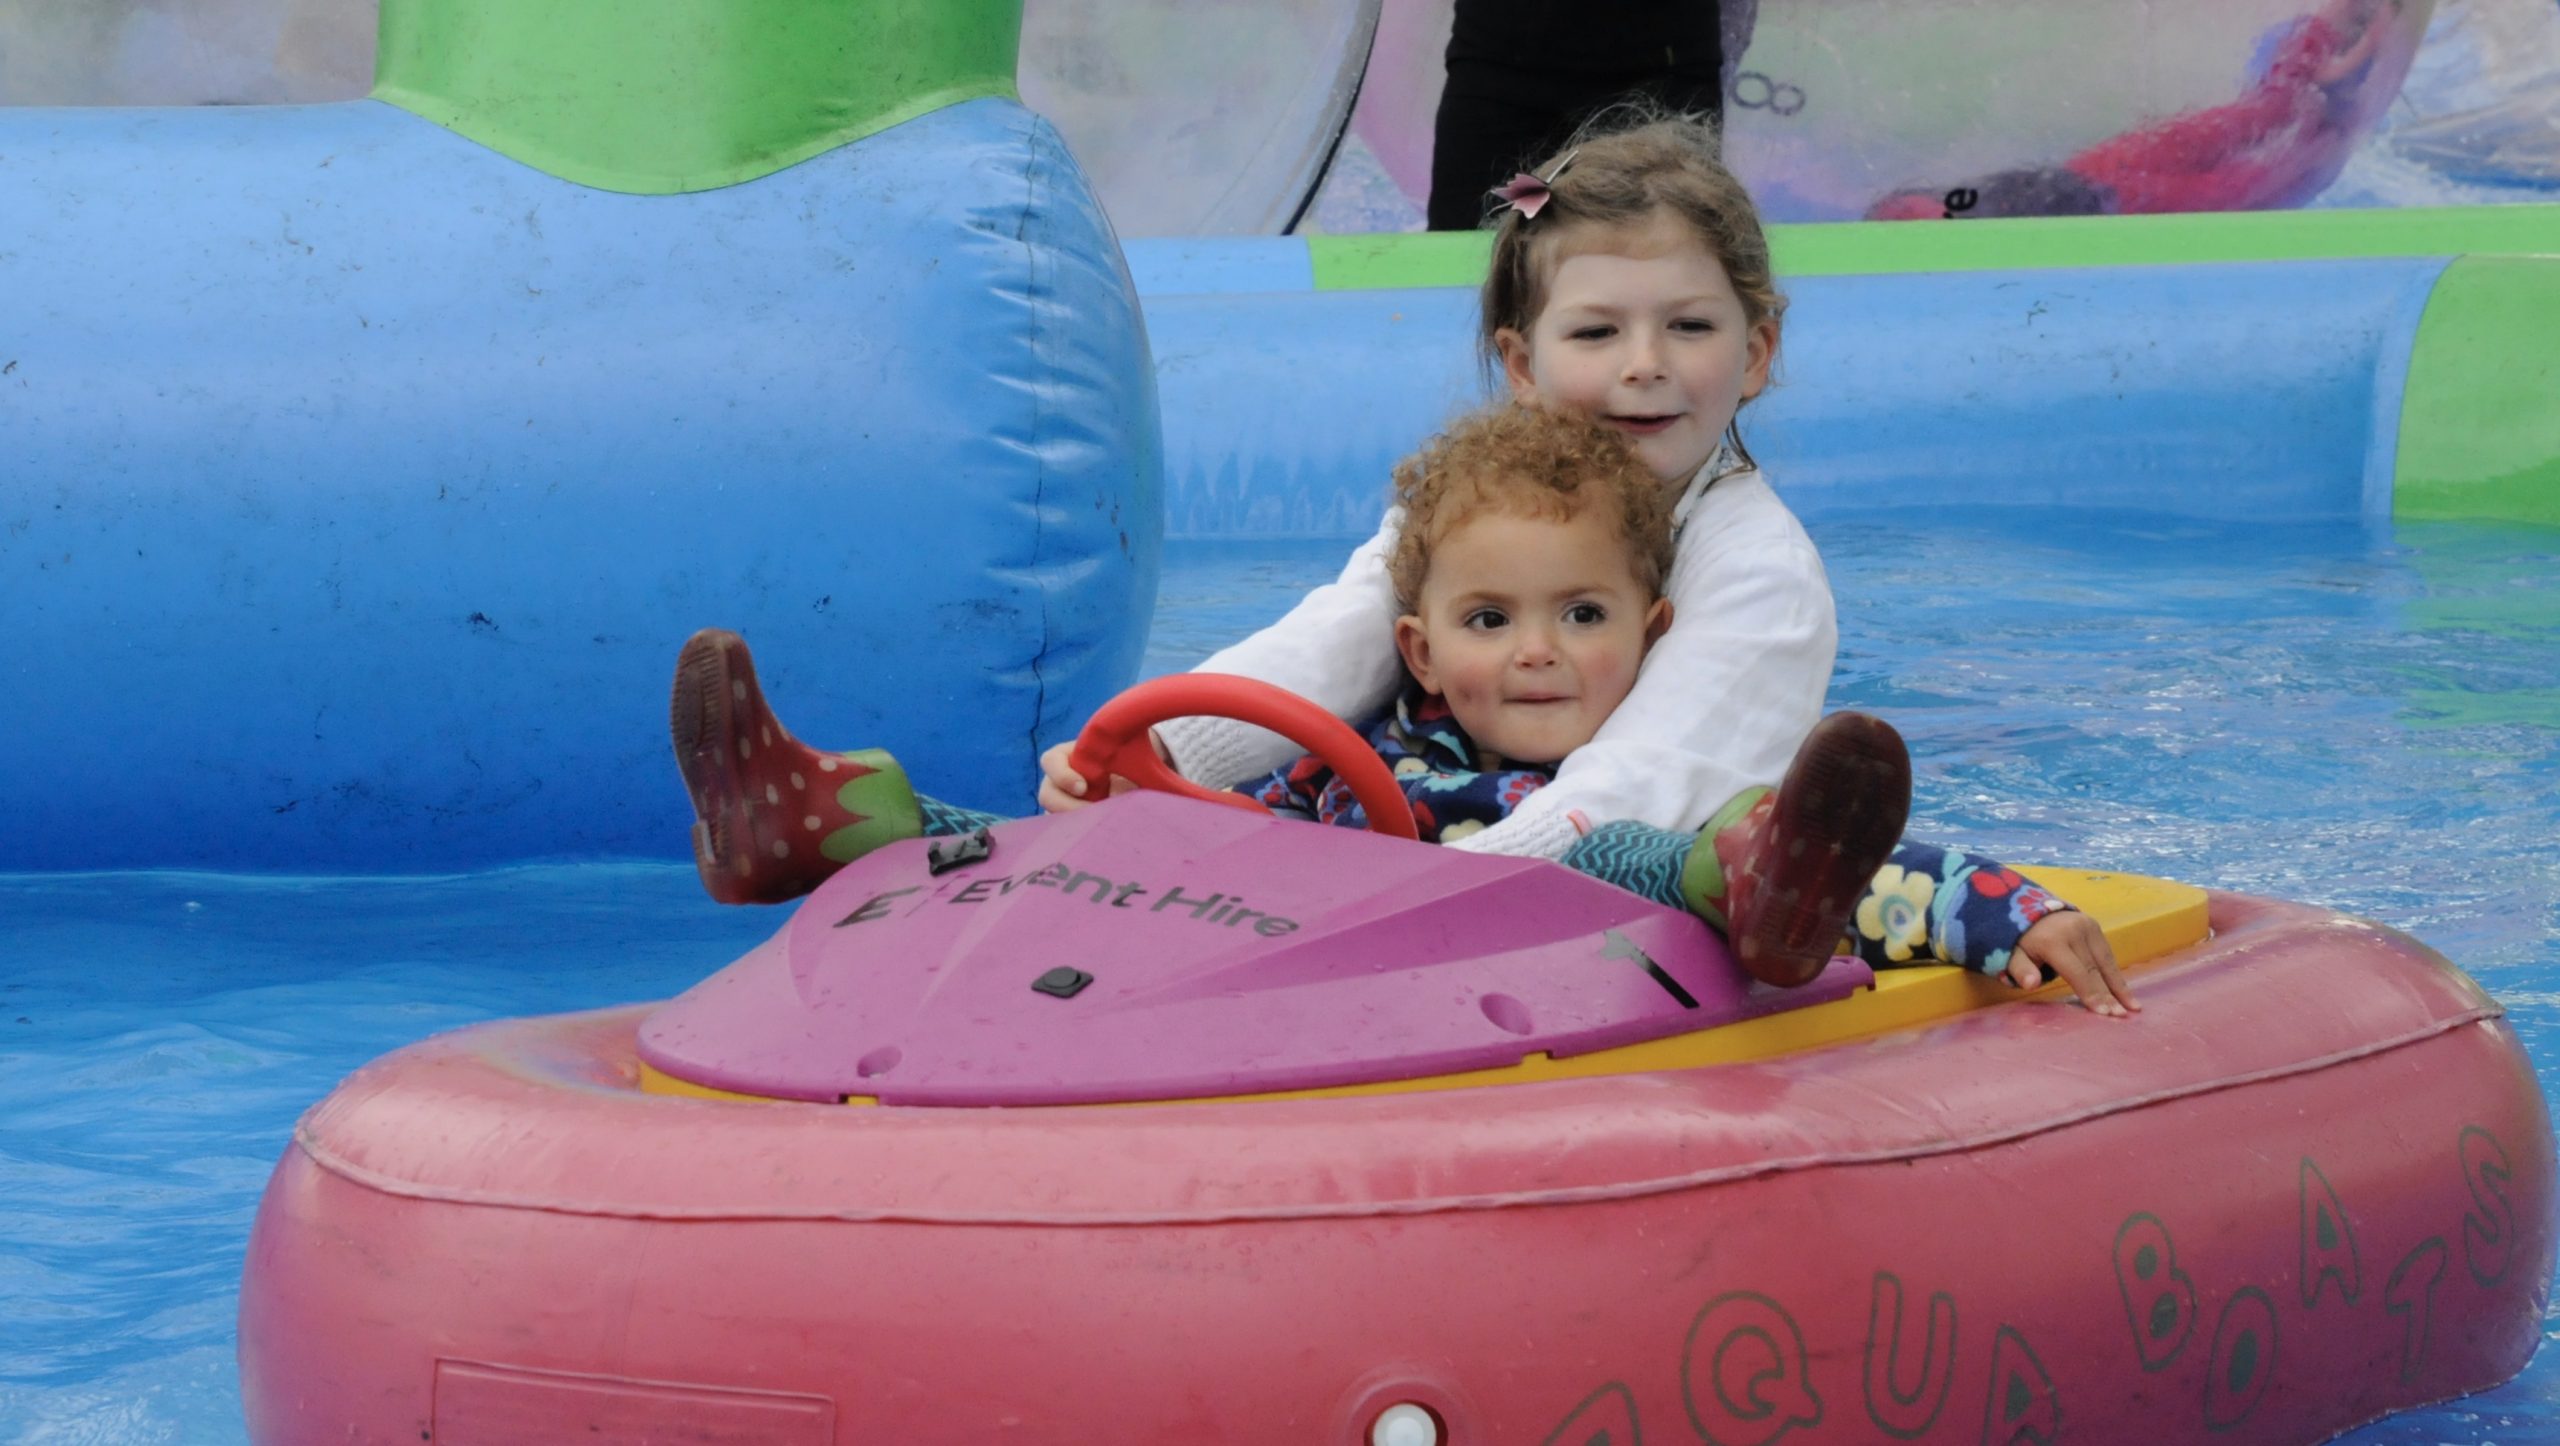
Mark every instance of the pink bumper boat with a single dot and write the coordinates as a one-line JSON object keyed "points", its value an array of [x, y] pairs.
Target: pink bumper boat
{"points": [[1164, 1122]]}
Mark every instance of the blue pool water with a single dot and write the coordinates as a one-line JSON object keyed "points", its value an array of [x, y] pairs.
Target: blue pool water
{"points": [[2363, 717]]}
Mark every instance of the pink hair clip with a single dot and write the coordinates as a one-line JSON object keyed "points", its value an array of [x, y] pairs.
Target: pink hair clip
{"points": [[1528, 194]]}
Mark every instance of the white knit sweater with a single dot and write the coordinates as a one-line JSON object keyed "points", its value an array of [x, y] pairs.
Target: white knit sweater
{"points": [[1720, 705]]}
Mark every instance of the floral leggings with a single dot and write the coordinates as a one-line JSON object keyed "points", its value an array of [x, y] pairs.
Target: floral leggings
{"points": [[1927, 905]]}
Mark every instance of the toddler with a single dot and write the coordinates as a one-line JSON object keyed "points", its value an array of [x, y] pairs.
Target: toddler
{"points": [[1529, 565]]}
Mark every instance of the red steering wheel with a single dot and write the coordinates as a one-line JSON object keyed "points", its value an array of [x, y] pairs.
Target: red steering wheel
{"points": [[1116, 742]]}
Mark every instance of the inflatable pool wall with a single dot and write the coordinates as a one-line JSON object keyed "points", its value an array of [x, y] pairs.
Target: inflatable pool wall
{"points": [[367, 462], [2293, 365]]}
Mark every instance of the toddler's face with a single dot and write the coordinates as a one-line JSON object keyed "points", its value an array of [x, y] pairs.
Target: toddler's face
{"points": [[1642, 329], [1531, 629]]}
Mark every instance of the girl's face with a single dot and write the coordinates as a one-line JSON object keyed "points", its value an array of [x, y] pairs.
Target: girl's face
{"points": [[1642, 329]]}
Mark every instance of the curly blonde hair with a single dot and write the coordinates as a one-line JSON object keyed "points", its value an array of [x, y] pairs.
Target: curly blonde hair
{"points": [[1525, 461], [1630, 163]]}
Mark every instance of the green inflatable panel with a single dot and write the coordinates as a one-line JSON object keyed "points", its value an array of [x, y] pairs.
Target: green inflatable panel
{"points": [[660, 96]]}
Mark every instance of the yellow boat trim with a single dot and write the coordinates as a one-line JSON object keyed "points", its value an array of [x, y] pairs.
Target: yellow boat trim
{"points": [[655, 1081], [2144, 919]]}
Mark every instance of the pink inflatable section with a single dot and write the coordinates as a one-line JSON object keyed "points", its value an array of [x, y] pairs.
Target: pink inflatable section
{"points": [[1838, 109], [2314, 1186]]}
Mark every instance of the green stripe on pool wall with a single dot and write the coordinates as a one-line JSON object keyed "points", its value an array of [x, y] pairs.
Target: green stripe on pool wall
{"points": [[1870, 248], [662, 96], [2039, 243], [1397, 262], [2480, 414]]}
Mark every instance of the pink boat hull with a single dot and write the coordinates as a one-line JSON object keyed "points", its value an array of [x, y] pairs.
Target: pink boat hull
{"points": [[2311, 1185]]}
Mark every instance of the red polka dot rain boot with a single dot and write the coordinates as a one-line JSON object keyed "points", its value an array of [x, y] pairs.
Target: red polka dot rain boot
{"points": [[773, 817]]}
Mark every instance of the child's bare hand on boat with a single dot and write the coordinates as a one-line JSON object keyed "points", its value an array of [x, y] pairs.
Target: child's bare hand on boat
{"points": [[2072, 945], [1062, 788]]}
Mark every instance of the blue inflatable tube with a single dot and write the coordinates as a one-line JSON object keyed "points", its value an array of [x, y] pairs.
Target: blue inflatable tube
{"points": [[361, 482], [2270, 387]]}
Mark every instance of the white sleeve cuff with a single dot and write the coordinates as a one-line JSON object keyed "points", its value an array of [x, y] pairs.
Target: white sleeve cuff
{"points": [[1526, 834]]}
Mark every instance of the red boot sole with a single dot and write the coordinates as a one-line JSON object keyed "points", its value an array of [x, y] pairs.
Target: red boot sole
{"points": [[1834, 822]]}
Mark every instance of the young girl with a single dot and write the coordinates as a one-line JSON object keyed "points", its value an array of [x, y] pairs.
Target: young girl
{"points": [[1630, 282], [1528, 570]]}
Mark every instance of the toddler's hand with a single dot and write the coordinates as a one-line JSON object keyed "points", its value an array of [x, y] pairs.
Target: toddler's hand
{"points": [[1062, 788], [2072, 945]]}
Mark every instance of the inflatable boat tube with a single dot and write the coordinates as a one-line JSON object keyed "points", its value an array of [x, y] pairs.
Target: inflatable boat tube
{"points": [[1262, 1187]]}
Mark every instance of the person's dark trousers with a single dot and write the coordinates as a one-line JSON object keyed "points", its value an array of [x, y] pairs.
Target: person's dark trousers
{"points": [[1522, 74]]}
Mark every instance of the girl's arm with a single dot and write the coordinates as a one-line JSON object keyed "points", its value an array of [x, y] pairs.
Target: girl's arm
{"points": [[1726, 695], [1336, 648], [1934, 905]]}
